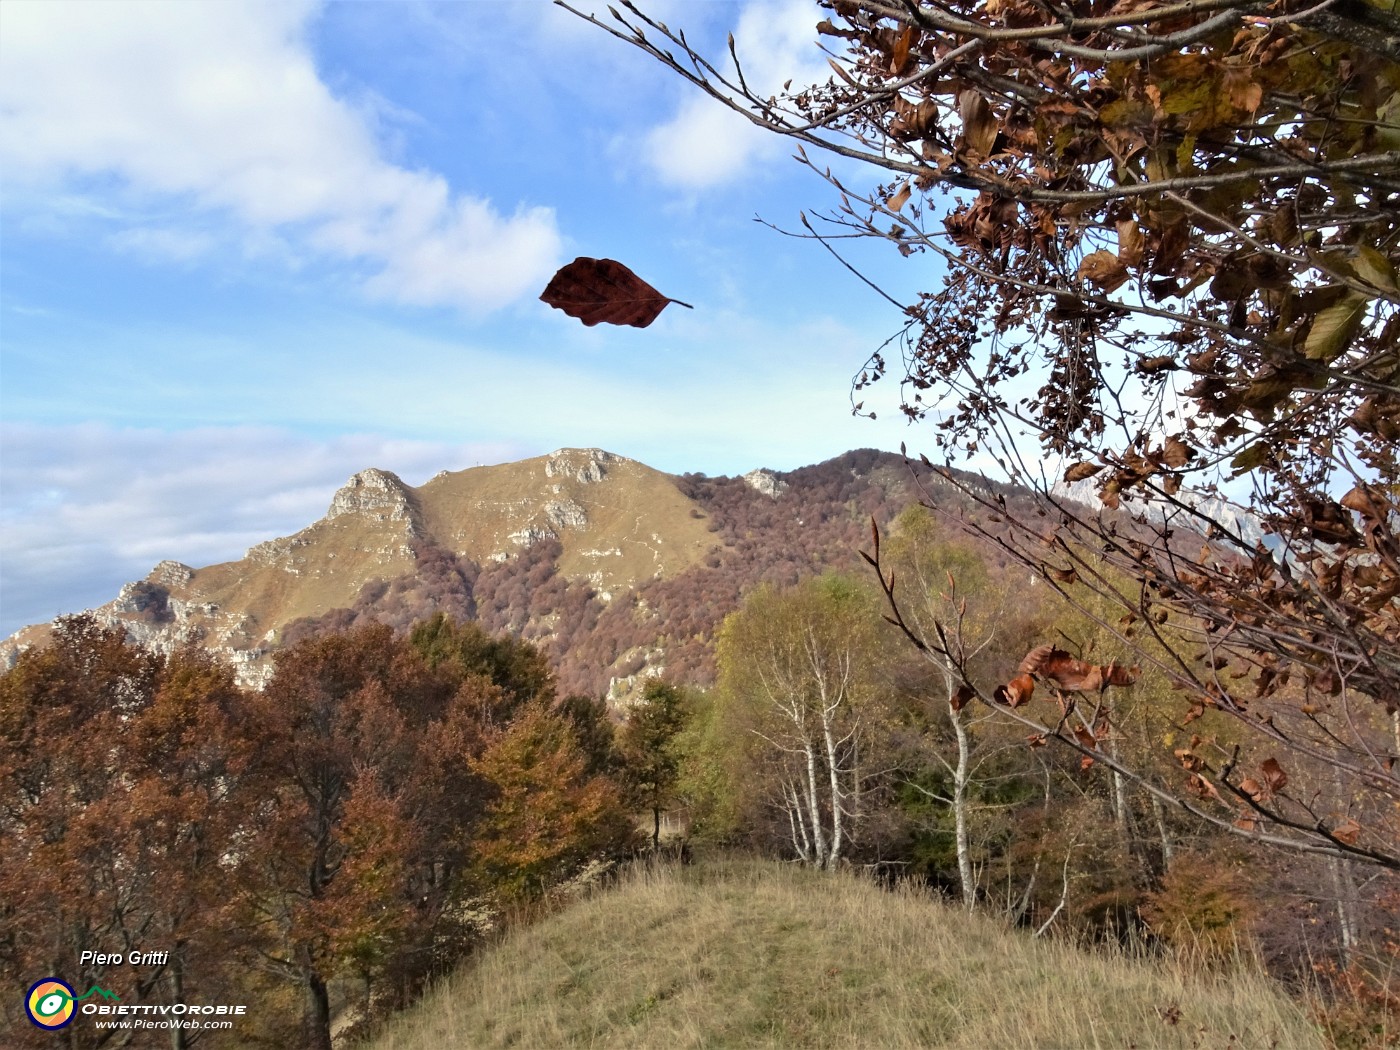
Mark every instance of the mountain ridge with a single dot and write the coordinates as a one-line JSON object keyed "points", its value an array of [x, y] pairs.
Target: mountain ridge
{"points": [[542, 547]]}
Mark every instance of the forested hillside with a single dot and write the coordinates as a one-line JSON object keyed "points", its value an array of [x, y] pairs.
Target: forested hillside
{"points": [[765, 528]]}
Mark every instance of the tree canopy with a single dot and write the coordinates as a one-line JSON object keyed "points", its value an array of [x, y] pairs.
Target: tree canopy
{"points": [[360, 820], [1165, 243]]}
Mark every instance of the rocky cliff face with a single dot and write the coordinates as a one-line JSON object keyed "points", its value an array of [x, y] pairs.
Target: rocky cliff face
{"points": [[766, 482], [374, 493]]}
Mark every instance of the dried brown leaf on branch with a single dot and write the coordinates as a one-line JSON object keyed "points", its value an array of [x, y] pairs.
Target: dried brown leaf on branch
{"points": [[961, 698], [1104, 270], [1074, 675], [1088, 740], [1274, 776], [1016, 692], [1348, 832], [1202, 788], [1117, 674], [1066, 671], [1080, 471], [604, 290]]}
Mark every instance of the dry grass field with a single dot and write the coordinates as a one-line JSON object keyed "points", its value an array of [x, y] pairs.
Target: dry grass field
{"points": [[741, 953]]}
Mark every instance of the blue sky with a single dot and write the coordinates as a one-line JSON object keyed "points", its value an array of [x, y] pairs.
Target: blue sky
{"points": [[249, 248]]}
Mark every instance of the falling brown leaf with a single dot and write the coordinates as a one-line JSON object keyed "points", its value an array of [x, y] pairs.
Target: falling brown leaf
{"points": [[1274, 776], [604, 290], [898, 198]]}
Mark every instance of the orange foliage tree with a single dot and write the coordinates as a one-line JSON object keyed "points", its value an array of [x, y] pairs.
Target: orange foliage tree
{"points": [[339, 824], [546, 817], [123, 779]]}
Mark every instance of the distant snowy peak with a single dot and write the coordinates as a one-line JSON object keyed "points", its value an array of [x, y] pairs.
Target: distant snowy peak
{"points": [[1231, 518]]}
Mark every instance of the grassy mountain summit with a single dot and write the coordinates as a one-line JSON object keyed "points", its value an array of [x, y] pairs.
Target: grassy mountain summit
{"points": [[741, 953]]}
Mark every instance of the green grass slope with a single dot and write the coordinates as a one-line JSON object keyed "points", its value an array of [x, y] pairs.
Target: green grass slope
{"points": [[752, 954]]}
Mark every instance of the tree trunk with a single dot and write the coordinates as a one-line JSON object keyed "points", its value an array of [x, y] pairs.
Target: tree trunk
{"points": [[1161, 819], [837, 826], [318, 1013], [801, 842], [966, 879], [814, 811], [1345, 893], [1120, 795], [656, 829], [178, 1038]]}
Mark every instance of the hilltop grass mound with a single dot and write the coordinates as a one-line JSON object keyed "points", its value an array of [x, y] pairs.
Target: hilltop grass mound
{"points": [[741, 953]]}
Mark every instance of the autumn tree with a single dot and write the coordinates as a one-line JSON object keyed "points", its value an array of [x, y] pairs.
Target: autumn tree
{"points": [[545, 817], [463, 648], [977, 621], [347, 822], [798, 673], [1167, 243], [361, 843], [593, 728], [647, 744], [122, 783]]}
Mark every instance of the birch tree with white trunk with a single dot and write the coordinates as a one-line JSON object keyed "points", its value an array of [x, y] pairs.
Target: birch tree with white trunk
{"points": [[946, 587], [799, 667]]}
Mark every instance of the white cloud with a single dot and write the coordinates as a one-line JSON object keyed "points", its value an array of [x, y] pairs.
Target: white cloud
{"points": [[220, 106], [162, 244], [705, 144]]}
